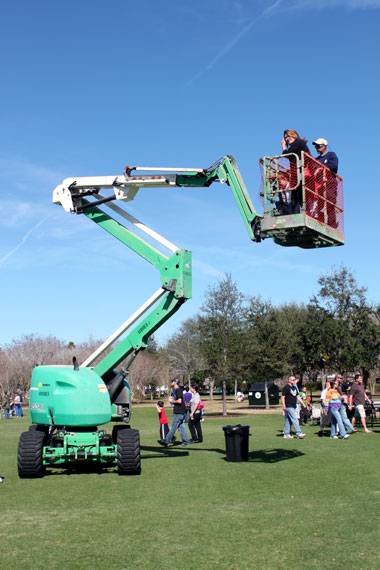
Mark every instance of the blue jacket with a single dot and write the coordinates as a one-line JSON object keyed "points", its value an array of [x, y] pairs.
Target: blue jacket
{"points": [[330, 160]]}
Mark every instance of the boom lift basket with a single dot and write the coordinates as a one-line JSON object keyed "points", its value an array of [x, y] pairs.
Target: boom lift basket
{"points": [[303, 202]]}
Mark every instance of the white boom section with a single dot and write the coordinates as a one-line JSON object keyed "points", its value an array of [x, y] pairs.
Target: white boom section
{"points": [[161, 169], [125, 187], [121, 330]]}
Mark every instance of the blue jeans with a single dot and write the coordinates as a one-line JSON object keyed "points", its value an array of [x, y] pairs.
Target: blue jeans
{"points": [[291, 416], [346, 422], [336, 419], [178, 422]]}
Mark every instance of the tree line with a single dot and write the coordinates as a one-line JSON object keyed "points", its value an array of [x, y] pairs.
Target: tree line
{"points": [[244, 339], [235, 340]]}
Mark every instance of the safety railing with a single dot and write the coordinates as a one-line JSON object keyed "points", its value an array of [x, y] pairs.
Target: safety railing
{"points": [[293, 185], [323, 193], [280, 176]]}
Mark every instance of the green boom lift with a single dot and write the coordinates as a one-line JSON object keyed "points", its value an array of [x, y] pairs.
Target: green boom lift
{"points": [[68, 403]]}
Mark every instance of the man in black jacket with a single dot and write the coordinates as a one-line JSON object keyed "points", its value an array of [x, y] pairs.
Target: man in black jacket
{"points": [[179, 415], [289, 400]]}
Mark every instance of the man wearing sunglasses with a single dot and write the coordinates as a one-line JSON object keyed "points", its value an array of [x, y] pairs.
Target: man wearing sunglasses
{"points": [[326, 183], [327, 158]]}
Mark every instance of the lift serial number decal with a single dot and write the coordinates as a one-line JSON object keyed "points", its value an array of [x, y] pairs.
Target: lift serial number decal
{"points": [[38, 407], [141, 329]]}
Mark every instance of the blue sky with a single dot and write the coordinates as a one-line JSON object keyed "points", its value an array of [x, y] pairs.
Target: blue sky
{"points": [[88, 87]]}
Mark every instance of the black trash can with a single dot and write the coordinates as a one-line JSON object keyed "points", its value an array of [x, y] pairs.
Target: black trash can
{"points": [[236, 442]]}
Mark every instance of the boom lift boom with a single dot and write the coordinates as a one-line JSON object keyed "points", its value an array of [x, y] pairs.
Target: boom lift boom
{"points": [[68, 403]]}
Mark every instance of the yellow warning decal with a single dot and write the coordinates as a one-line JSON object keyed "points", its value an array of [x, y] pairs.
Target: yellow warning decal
{"points": [[102, 388]]}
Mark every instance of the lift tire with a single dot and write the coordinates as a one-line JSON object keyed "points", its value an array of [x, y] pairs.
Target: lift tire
{"points": [[39, 427], [116, 429], [29, 456], [128, 452]]}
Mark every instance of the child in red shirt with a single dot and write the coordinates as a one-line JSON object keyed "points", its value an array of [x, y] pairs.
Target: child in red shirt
{"points": [[164, 424]]}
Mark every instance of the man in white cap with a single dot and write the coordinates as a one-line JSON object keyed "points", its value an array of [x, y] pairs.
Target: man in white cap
{"points": [[327, 184], [326, 158]]}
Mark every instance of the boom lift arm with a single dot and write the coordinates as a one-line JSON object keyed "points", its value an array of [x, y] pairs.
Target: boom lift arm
{"points": [[67, 404], [175, 270]]}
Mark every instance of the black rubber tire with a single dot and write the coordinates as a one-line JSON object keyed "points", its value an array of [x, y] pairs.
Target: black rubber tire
{"points": [[29, 456], [115, 430], [128, 452], [40, 427]]}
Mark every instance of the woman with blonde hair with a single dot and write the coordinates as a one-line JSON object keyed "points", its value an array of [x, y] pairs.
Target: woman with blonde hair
{"points": [[293, 144]]}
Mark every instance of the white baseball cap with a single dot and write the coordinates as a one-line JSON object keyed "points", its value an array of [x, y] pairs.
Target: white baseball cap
{"points": [[321, 141]]}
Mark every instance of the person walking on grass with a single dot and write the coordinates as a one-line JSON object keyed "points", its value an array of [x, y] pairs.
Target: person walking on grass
{"points": [[179, 415], [7, 406], [17, 404], [289, 398], [333, 403], [358, 398], [164, 424], [195, 416], [343, 412]]}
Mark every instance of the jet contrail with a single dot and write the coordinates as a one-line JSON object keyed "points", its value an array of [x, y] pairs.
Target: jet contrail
{"points": [[227, 48], [9, 254]]}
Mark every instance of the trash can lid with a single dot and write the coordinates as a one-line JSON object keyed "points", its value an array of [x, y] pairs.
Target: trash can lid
{"points": [[232, 429]]}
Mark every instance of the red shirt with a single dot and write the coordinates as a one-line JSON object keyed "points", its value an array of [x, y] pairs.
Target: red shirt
{"points": [[162, 416]]}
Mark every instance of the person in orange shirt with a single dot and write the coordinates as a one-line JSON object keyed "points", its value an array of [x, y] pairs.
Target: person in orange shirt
{"points": [[333, 403]]}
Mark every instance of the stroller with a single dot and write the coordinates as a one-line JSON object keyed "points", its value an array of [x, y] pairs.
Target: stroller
{"points": [[305, 415], [315, 415]]}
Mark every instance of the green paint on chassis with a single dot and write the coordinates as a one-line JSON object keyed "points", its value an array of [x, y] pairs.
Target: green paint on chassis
{"points": [[67, 403], [65, 407]]}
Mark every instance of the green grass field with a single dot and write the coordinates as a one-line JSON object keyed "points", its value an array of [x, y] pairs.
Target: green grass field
{"points": [[297, 503]]}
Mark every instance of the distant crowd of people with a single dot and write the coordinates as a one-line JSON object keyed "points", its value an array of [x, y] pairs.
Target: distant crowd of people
{"points": [[346, 401], [341, 403], [11, 405], [187, 410]]}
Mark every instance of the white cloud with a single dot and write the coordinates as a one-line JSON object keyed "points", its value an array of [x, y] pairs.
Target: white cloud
{"points": [[228, 47], [277, 7], [23, 171], [207, 269], [23, 240], [352, 4], [16, 213]]}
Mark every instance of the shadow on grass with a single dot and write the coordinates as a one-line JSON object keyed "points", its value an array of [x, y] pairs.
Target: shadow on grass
{"points": [[81, 469], [267, 455], [156, 452], [259, 456], [324, 433], [273, 455]]}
